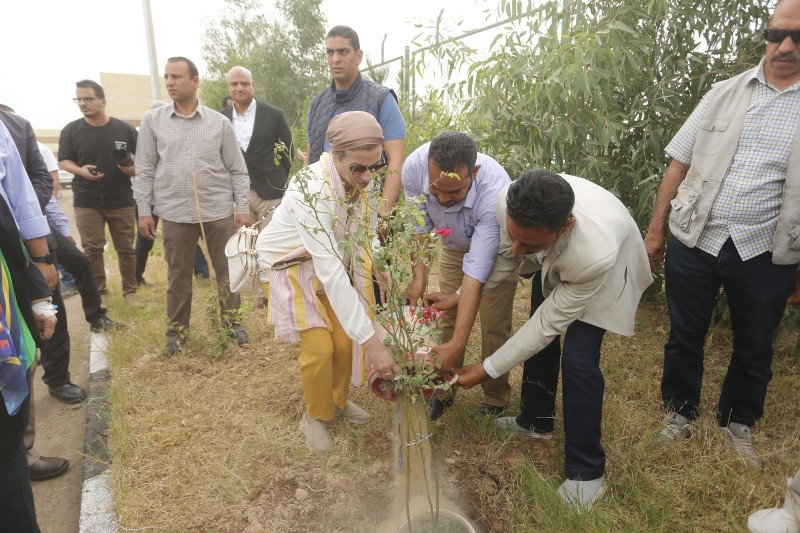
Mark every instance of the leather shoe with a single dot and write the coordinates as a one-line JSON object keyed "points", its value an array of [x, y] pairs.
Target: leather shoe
{"points": [[239, 336], [48, 468], [104, 324], [68, 393], [486, 412], [172, 347], [437, 407]]}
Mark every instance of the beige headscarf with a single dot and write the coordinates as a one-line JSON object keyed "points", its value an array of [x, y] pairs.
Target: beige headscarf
{"points": [[353, 130]]}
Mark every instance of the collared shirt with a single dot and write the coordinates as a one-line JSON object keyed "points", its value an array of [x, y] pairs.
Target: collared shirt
{"points": [[48, 157], [472, 222], [747, 206], [17, 191], [243, 124], [176, 151], [56, 217]]}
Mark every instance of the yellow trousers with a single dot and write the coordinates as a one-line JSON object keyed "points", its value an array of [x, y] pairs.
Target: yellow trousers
{"points": [[326, 363]]}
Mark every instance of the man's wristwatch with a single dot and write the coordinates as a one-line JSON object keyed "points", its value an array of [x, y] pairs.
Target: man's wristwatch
{"points": [[49, 258]]}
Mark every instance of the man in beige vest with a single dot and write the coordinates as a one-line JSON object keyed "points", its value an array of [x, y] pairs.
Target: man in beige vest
{"points": [[731, 192]]}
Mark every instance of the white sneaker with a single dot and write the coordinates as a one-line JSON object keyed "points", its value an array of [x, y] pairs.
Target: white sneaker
{"points": [[354, 414], [676, 428], [316, 435], [783, 520], [773, 521], [509, 423], [739, 436], [581, 496]]}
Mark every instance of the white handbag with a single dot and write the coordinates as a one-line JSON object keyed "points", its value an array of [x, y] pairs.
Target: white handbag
{"points": [[243, 271], [242, 257]]}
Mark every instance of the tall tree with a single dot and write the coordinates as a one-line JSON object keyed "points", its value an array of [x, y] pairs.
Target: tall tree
{"points": [[599, 88], [285, 55]]}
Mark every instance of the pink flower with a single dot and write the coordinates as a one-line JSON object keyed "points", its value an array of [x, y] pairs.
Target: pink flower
{"points": [[430, 314], [444, 232]]}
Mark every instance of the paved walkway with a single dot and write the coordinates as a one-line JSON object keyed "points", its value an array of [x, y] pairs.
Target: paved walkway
{"points": [[60, 432]]}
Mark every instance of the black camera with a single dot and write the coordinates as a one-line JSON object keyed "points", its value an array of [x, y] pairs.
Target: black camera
{"points": [[93, 171], [120, 155]]}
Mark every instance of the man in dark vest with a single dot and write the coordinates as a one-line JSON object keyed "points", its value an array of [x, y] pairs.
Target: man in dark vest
{"points": [[349, 91]]}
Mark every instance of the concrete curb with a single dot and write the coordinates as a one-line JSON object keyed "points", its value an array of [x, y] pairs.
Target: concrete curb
{"points": [[97, 502]]}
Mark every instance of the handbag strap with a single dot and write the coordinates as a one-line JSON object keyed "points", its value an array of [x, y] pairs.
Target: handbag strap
{"points": [[263, 218]]}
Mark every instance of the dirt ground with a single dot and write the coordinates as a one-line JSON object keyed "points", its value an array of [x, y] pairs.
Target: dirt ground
{"points": [[198, 454], [59, 433], [60, 427]]}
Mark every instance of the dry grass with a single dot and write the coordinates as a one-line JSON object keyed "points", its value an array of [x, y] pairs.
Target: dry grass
{"points": [[211, 445]]}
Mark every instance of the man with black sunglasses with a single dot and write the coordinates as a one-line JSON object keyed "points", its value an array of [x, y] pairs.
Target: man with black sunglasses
{"points": [[732, 195], [460, 187]]}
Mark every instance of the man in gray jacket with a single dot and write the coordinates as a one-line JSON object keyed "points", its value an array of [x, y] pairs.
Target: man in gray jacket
{"points": [[731, 192], [591, 270]]}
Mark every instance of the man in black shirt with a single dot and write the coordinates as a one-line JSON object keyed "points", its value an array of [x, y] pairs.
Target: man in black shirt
{"points": [[98, 150]]}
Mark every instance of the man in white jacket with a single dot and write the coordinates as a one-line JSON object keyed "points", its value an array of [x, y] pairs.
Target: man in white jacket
{"points": [[592, 269]]}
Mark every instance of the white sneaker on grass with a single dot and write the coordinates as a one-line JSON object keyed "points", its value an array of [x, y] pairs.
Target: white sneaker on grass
{"points": [[677, 427], [739, 436], [581, 496], [509, 423]]}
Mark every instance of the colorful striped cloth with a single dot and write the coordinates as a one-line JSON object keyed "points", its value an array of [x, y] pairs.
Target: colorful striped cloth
{"points": [[293, 302], [17, 348]]}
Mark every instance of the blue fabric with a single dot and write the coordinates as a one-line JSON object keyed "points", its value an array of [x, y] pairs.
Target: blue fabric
{"points": [[756, 291], [390, 119], [200, 264], [67, 279], [17, 191]]}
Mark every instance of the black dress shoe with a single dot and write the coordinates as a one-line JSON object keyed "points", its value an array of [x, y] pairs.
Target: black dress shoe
{"points": [[48, 468], [487, 411], [437, 407], [172, 347], [239, 336], [104, 324], [68, 393]]}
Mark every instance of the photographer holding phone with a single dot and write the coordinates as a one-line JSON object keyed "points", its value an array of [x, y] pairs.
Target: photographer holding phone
{"points": [[98, 150]]}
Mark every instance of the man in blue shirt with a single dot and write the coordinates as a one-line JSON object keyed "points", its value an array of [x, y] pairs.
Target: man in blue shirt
{"points": [[460, 188], [350, 92]]}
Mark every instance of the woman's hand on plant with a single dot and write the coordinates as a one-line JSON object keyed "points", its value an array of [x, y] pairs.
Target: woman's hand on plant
{"points": [[471, 375], [379, 356], [441, 300]]}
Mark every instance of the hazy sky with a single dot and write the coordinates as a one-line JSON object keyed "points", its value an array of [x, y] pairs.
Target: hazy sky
{"points": [[50, 44]]}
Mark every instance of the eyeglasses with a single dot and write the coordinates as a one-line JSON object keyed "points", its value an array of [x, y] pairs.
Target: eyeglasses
{"points": [[360, 169], [85, 99], [773, 35]]}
